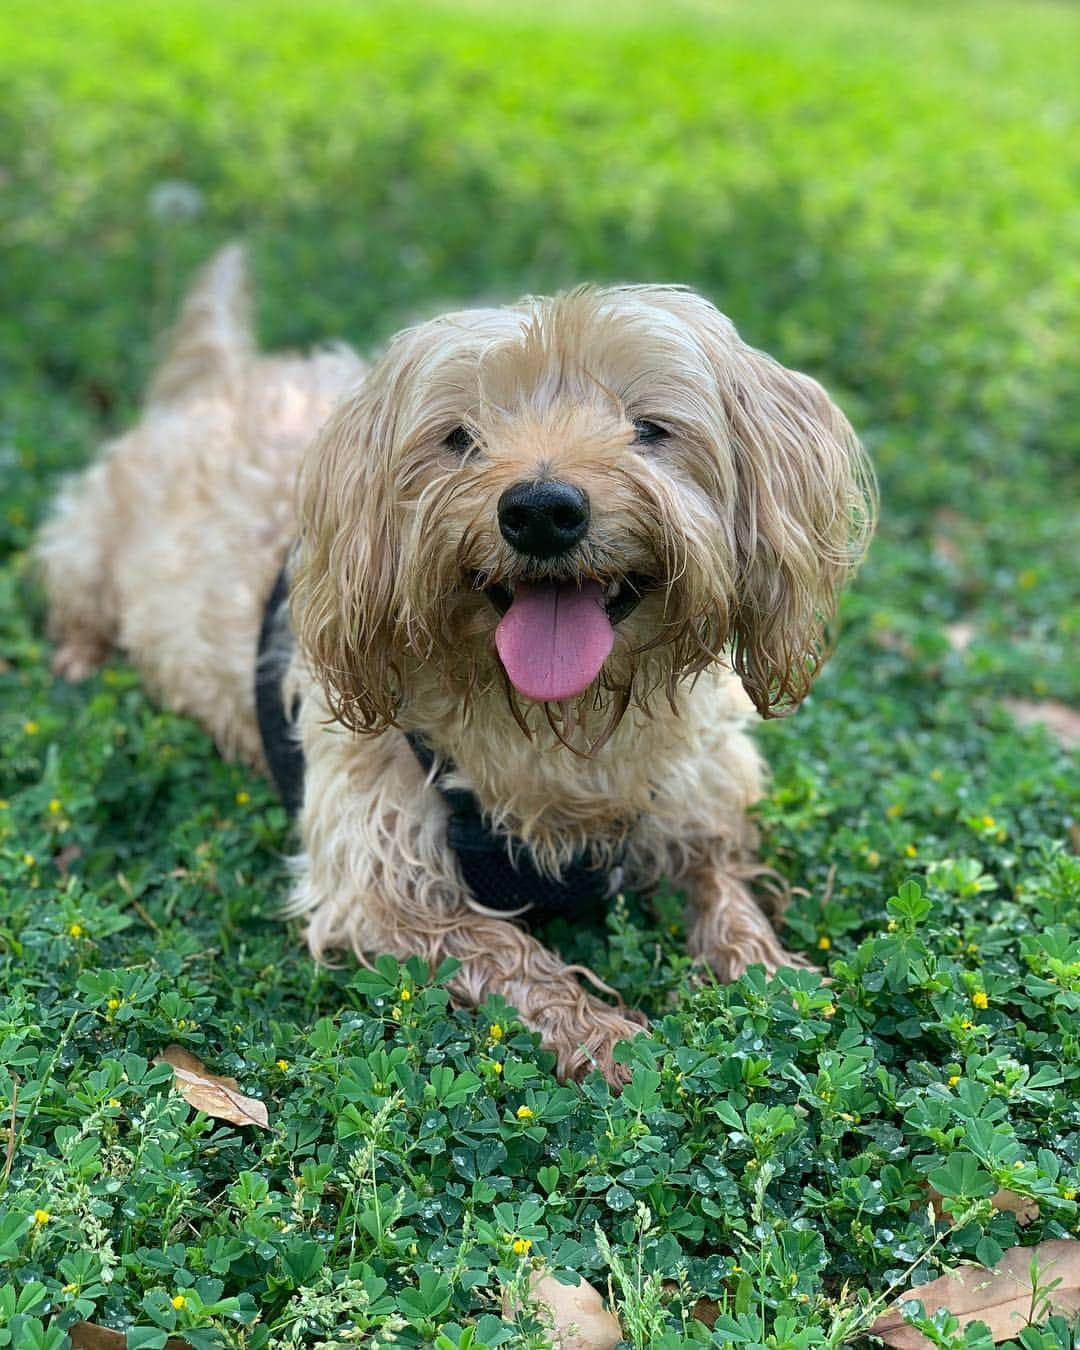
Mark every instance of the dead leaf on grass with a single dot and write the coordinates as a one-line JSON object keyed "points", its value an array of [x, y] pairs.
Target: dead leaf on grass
{"points": [[960, 636], [89, 1336], [1009, 1202], [1000, 1297], [579, 1320], [68, 854], [212, 1093], [1061, 721]]}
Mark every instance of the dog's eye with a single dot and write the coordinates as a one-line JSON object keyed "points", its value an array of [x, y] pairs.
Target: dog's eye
{"points": [[647, 433], [459, 440]]}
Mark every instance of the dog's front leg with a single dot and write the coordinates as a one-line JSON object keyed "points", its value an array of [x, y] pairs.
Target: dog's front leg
{"points": [[376, 876], [498, 958], [728, 930]]}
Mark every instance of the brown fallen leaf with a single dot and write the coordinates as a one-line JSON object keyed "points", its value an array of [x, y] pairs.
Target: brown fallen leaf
{"points": [[62, 861], [1000, 1297], [705, 1310], [89, 1336], [1025, 1209], [960, 636], [209, 1092], [1061, 721], [579, 1320]]}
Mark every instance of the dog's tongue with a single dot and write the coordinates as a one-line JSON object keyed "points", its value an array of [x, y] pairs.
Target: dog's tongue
{"points": [[553, 639]]}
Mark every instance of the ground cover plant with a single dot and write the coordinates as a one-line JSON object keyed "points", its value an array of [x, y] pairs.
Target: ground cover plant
{"points": [[882, 197]]}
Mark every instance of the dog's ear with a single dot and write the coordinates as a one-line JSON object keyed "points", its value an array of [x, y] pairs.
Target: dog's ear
{"points": [[344, 597], [805, 507]]}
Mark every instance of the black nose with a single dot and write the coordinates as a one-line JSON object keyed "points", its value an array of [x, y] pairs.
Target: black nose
{"points": [[543, 519]]}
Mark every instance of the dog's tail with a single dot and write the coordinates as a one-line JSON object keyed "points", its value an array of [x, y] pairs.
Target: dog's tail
{"points": [[212, 345]]}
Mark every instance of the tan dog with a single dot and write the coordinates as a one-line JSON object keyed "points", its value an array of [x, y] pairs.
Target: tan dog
{"points": [[528, 536]]}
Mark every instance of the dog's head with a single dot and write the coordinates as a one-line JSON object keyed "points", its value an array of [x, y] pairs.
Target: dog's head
{"points": [[590, 497]]}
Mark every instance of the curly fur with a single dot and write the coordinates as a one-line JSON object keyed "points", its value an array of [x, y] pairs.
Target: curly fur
{"points": [[748, 518]]}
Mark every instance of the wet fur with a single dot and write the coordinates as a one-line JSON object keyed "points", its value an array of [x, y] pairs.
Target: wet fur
{"points": [[749, 517]]}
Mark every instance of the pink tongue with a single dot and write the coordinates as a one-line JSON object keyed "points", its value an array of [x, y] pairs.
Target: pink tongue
{"points": [[553, 639]]}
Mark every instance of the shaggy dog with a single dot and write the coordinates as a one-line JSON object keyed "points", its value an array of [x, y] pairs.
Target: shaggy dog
{"points": [[548, 555]]}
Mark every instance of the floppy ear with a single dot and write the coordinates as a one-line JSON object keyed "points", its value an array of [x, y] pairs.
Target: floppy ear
{"points": [[344, 597], [805, 508]]}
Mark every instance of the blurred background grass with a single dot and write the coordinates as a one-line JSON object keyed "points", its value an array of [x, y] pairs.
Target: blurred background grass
{"points": [[885, 195]]}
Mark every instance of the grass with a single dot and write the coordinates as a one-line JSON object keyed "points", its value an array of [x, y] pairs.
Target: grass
{"points": [[884, 197]]}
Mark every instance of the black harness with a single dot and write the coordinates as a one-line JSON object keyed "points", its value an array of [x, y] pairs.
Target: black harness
{"points": [[500, 871]]}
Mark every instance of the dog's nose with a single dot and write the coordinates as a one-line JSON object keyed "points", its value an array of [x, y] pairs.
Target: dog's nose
{"points": [[543, 518]]}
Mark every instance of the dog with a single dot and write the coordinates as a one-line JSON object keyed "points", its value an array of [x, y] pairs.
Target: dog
{"points": [[543, 562]]}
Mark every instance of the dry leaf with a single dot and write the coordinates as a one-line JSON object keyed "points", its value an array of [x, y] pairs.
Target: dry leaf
{"points": [[705, 1310], [217, 1096], [579, 1319], [1025, 1209], [1001, 1297], [960, 636], [68, 854], [89, 1336], [1061, 721]]}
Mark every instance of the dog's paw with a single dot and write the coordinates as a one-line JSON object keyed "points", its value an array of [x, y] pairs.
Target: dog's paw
{"points": [[78, 656], [594, 1046]]}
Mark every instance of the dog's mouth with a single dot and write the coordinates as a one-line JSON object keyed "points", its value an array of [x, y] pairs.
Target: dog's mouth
{"points": [[554, 636]]}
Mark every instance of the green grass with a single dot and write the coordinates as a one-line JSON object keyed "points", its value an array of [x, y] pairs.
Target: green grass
{"points": [[885, 196]]}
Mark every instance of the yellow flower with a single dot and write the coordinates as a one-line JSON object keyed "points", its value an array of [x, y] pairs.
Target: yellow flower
{"points": [[113, 1004], [911, 851], [498, 1067], [405, 996], [41, 1216], [395, 1013], [242, 798], [873, 858], [824, 942], [76, 930], [966, 1024], [70, 1288], [989, 823], [1018, 1164], [31, 728], [495, 1031], [980, 1000], [29, 859], [282, 1064], [114, 1101], [521, 1246], [896, 809], [937, 775], [4, 803], [178, 1301], [954, 1079], [892, 926], [54, 806], [972, 947], [1069, 1193], [524, 1113], [829, 1010]]}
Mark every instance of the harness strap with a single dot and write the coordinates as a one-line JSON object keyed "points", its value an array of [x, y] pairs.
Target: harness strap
{"points": [[500, 871]]}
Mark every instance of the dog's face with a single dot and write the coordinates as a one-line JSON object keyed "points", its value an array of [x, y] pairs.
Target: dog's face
{"points": [[588, 498]]}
